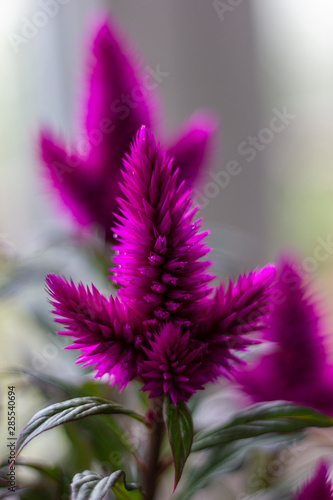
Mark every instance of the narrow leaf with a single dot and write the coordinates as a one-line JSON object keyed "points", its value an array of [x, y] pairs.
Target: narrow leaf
{"points": [[179, 426], [91, 438], [279, 417], [90, 486], [52, 472], [225, 459], [69, 411]]}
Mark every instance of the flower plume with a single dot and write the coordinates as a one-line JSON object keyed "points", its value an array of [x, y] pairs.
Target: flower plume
{"points": [[119, 100], [297, 370], [157, 261], [168, 326]]}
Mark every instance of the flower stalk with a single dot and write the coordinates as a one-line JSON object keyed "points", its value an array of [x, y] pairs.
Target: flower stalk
{"points": [[153, 450]]}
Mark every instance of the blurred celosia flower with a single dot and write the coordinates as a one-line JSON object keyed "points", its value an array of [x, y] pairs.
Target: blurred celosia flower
{"points": [[166, 326], [297, 370], [119, 101], [318, 488]]}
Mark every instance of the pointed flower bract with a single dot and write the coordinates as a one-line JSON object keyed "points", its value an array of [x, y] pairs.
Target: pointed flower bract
{"points": [[168, 326], [105, 331]]}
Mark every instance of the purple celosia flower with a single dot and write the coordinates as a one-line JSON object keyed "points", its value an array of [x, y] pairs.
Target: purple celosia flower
{"points": [[173, 364], [297, 369], [318, 488], [167, 326], [119, 101]]}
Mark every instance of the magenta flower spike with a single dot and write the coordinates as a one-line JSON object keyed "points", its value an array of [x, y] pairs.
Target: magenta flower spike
{"points": [[167, 327], [119, 100], [319, 487], [297, 369]]}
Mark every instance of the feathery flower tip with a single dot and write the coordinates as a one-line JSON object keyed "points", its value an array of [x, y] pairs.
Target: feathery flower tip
{"points": [[103, 329], [159, 246], [319, 487]]}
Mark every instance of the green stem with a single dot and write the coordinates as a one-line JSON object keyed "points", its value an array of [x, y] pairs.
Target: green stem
{"points": [[154, 447]]}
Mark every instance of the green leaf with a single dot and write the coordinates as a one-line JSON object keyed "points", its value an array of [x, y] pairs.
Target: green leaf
{"points": [[49, 471], [51, 485], [69, 411], [179, 426], [279, 417], [225, 459], [217, 461], [229, 443], [90, 486], [90, 438]]}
